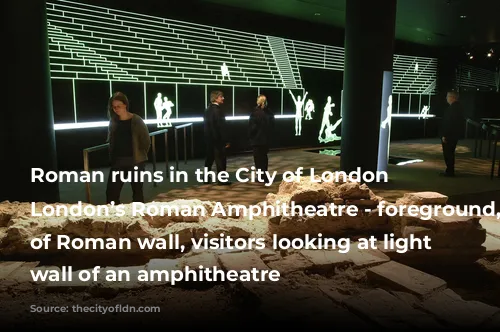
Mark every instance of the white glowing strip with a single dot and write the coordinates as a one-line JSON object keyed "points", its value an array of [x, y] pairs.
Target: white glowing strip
{"points": [[409, 162], [99, 124], [83, 125], [110, 55], [412, 116], [237, 117]]}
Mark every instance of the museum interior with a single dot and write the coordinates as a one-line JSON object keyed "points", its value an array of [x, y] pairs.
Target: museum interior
{"points": [[353, 85]]}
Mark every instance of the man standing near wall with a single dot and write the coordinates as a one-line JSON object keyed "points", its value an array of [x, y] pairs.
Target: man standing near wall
{"points": [[216, 134], [451, 130]]}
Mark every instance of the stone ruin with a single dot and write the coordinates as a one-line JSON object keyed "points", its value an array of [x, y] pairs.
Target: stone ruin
{"points": [[453, 239], [357, 286]]}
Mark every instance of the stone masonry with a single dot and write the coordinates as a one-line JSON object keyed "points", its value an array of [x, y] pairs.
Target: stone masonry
{"points": [[369, 286]]}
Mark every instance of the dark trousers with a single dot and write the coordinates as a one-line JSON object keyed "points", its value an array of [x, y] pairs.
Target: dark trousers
{"points": [[260, 158], [217, 153], [449, 154], [114, 188]]}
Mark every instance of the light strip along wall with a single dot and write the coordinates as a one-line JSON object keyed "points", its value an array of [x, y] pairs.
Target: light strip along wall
{"points": [[474, 77], [96, 43]]}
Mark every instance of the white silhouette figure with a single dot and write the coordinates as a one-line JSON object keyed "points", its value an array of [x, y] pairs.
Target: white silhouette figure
{"points": [[330, 136], [387, 121], [330, 152], [299, 103], [424, 112], [416, 68], [309, 109], [167, 106], [159, 111], [225, 71], [325, 123]]}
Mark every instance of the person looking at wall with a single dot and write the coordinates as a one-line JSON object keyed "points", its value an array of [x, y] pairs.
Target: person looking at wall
{"points": [[129, 144], [451, 128], [261, 125], [215, 132]]}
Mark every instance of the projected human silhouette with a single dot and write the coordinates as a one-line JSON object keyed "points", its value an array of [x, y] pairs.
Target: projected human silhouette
{"points": [[424, 112], [326, 127], [330, 152], [299, 103], [225, 71], [158, 104], [416, 68], [309, 109], [330, 136], [167, 106], [387, 121]]}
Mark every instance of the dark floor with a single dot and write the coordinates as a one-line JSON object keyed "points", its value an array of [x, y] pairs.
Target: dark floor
{"points": [[472, 185]]}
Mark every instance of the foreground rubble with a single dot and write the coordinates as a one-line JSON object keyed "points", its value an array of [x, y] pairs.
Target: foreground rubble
{"points": [[370, 286]]}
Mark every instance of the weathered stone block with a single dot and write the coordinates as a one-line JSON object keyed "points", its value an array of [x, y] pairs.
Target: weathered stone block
{"points": [[6, 268], [242, 261], [298, 226], [449, 307], [417, 232], [326, 259], [422, 198], [352, 190], [205, 259], [312, 196], [160, 266], [22, 273], [367, 257], [266, 252], [465, 237], [333, 294], [492, 226], [289, 264], [396, 276]]}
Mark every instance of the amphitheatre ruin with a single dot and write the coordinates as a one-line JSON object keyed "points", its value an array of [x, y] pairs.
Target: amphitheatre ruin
{"points": [[388, 287]]}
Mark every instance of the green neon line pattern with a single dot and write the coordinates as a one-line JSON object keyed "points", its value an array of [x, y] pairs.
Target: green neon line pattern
{"points": [[89, 42]]}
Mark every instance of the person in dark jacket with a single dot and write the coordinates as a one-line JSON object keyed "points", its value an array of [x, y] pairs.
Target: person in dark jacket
{"points": [[451, 131], [129, 144], [261, 125], [216, 139]]}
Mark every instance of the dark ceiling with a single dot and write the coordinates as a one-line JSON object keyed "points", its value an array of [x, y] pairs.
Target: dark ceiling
{"points": [[427, 22]]}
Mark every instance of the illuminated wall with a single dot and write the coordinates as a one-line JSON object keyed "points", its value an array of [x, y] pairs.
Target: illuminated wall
{"points": [[95, 51], [468, 76]]}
